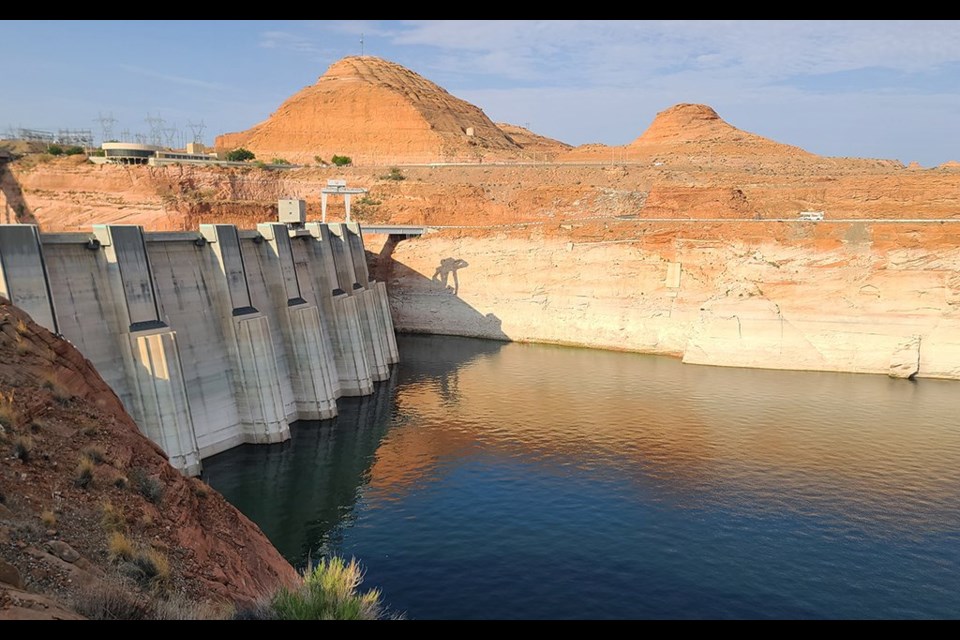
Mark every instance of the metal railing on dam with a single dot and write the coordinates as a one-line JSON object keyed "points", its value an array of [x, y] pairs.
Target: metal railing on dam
{"points": [[214, 338]]}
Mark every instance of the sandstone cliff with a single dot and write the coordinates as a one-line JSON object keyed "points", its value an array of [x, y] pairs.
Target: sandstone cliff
{"points": [[862, 297], [374, 110], [75, 470]]}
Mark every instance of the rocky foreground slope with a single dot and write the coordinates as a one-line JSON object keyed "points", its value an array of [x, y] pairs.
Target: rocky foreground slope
{"points": [[91, 514]]}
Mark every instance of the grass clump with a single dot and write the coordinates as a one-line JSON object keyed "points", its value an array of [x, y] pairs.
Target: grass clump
{"points": [[120, 547], [114, 600], [95, 454], [84, 474], [112, 519], [153, 567], [23, 448], [49, 519], [59, 390], [395, 174], [149, 487], [329, 592], [8, 411]]}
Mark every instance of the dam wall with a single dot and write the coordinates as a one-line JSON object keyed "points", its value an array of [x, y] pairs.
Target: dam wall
{"points": [[212, 338]]}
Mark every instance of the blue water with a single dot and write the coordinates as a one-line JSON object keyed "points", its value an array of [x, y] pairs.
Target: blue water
{"points": [[490, 480]]}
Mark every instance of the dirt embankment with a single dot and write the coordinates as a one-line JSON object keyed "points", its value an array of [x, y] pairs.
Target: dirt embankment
{"points": [[65, 196], [90, 509]]}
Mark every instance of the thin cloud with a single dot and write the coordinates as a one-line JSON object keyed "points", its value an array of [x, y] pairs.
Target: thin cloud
{"points": [[181, 80]]}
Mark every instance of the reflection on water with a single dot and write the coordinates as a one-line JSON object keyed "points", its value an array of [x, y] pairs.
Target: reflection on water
{"points": [[507, 480]]}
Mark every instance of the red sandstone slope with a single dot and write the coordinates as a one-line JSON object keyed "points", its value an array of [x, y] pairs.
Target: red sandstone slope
{"points": [[53, 531], [373, 110], [536, 147], [690, 130]]}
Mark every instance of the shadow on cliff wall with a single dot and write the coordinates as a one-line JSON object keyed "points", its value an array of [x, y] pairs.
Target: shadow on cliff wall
{"points": [[445, 281], [15, 205]]}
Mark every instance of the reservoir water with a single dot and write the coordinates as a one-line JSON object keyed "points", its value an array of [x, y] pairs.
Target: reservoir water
{"points": [[490, 480]]}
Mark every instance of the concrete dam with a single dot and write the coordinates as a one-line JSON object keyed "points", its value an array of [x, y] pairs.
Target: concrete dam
{"points": [[213, 338]]}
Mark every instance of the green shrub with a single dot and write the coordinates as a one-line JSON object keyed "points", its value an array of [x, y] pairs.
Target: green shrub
{"points": [[73, 151], [329, 592], [395, 174], [99, 153], [341, 161], [55, 150], [279, 161], [241, 155]]}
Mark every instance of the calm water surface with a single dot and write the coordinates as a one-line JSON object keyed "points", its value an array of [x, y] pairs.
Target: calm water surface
{"points": [[490, 480]]}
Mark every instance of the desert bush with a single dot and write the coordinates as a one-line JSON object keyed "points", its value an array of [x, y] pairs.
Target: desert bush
{"points": [[112, 519], [48, 518], [83, 477], [341, 161], [120, 547], [55, 150], [149, 487], [178, 607], [95, 453], [279, 161], [8, 411], [73, 151], [152, 568], [241, 155], [329, 592], [58, 389], [395, 174], [113, 600], [23, 448]]}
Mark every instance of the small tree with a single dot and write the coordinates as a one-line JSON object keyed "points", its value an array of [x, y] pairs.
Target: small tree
{"points": [[241, 155], [55, 150], [341, 161]]}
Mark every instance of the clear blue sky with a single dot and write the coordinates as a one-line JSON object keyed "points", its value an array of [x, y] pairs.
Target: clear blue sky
{"points": [[884, 89]]}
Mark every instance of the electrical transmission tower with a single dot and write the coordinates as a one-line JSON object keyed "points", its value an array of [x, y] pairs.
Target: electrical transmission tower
{"points": [[156, 129], [170, 133], [197, 131], [106, 126]]}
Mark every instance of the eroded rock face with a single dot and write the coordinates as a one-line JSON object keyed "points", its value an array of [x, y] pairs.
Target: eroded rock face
{"points": [[905, 361], [835, 297], [368, 108]]}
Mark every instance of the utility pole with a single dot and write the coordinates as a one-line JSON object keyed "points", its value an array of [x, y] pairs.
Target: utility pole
{"points": [[361, 45]]}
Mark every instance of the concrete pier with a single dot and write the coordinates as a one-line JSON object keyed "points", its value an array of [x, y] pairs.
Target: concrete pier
{"points": [[210, 339], [368, 304]]}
